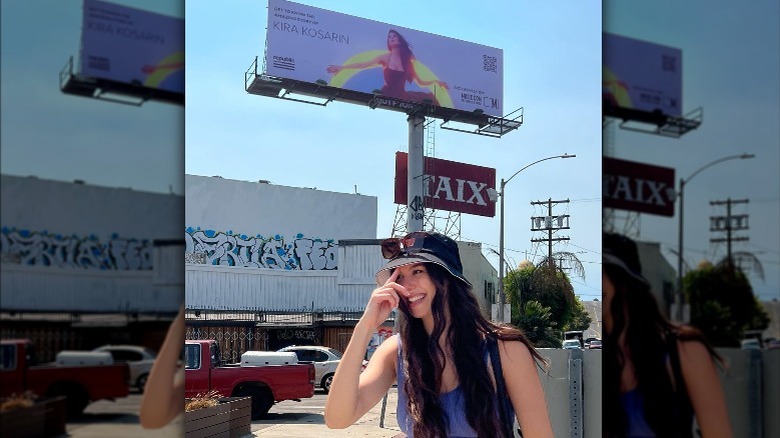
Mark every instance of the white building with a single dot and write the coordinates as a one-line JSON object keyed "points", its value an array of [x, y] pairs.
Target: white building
{"points": [[263, 246], [661, 275], [73, 247]]}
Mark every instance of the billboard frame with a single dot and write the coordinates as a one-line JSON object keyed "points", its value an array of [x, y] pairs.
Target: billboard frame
{"points": [[262, 84], [112, 91], [655, 122]]}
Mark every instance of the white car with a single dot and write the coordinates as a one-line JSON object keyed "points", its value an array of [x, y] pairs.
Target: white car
{"points": [[571, 344], [325, 361], [750, 344], [139, 359]]}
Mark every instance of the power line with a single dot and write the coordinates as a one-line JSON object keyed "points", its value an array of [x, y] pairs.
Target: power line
{"points": [[587, 200]]}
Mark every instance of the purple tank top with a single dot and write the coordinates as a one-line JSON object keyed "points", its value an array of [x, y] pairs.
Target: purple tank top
{"points": [[453, 404], [633, 405]]}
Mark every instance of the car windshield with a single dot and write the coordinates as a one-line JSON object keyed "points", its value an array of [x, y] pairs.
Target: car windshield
{"points": [[335, 353]]}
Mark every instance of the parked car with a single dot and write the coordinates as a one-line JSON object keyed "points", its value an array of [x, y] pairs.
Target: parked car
{"points": [[325, 361], [595, 344], [571, 344], [751, 344], [267, 384], [82, 377], [139, 359]]}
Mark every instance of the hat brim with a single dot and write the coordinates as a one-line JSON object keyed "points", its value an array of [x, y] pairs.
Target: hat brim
{"points": [[609, 259], [409, 259]]}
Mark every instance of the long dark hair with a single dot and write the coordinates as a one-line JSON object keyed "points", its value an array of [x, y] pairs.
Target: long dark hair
{"points": [[406, 54], [424, 358], [649, 337]]}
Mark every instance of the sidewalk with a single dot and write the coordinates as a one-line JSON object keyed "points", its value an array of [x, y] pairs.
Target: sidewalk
{"points": [[313, 426]]}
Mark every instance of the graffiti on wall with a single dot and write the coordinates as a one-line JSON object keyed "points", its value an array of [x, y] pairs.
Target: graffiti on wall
{"points": [[42, 248], [227, 248]]}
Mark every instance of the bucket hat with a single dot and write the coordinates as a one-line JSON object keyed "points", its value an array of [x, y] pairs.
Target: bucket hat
{"points": [[421, 247], [621, 251]]}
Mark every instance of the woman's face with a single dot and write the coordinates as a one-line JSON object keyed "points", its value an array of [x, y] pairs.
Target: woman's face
{"points": [[392, 39], [420, 289]]}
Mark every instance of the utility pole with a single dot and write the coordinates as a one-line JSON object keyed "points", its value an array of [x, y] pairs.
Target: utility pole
{"points": [[550, 224], [729, 223]]}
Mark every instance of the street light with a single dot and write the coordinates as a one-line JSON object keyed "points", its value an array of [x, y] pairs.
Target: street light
{"points": [[683, 181], [501, 297]]}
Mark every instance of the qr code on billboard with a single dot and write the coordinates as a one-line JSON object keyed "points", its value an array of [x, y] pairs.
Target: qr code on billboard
{"points": [[489, 63]]}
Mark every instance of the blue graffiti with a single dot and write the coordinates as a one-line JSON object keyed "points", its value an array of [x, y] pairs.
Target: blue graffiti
{"points": [[227, 248], [41, 248]]}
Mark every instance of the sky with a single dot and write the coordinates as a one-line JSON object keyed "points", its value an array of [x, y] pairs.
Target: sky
{"points": [[62, 137], [552, 67], [731, 66]]}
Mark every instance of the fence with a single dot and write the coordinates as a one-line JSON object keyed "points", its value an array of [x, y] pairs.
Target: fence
{"points": [[266, 330], [51, 333]]}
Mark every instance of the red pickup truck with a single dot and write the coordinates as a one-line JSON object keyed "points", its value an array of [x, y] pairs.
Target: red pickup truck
{"points": [[265, 384], [80, 384]]}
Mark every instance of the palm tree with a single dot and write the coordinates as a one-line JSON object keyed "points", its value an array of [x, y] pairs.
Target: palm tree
{"points": [[537, 324]]}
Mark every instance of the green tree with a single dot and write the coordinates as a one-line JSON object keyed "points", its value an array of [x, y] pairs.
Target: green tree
{"points": [[549, 292], [536, 323], [722, 304], [548, 286], [580, 319]]}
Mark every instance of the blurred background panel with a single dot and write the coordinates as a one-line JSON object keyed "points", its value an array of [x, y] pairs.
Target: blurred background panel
{"points": [[92, 150]]}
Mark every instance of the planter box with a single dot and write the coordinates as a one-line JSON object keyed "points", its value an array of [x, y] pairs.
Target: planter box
{"points": [[46, 418], [231, 418]]}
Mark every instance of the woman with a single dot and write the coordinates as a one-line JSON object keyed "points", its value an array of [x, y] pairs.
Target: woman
{"points": [[397, 69], [163, 399], [439, 359], [657, 375]]}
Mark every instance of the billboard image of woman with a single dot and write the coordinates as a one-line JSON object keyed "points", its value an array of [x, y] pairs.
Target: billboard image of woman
{"points": [[399, 67]]}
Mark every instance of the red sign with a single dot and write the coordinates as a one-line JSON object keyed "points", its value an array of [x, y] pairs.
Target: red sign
{"points": [[449, 185], [628, 185]]}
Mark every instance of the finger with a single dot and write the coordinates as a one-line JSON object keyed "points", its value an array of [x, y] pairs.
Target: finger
{"points": [[387, 297], [392, 293], [393, 276], [397, 288]]}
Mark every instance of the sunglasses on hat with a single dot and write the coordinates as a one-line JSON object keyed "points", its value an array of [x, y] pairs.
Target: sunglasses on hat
{"points": [[394, 246]]}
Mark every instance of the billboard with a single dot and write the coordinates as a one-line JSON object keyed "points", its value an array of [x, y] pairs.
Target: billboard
{"points": [[132, 46], [403, 65], [641, 76], [628, 185], [449, 185]]}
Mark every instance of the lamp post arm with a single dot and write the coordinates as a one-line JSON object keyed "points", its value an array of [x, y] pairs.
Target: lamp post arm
{"points": [[720, 160], [503, 183]]}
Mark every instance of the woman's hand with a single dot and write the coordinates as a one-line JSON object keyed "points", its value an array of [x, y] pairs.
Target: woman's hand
{"points": [[383, 301], [334, 69]]}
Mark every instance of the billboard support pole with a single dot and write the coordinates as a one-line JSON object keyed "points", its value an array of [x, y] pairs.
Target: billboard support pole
{"points": [[416, 174]]}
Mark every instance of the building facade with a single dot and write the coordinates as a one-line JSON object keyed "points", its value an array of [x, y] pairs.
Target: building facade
{"points": [[83, 265], [73, 247], [269, 266]]}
